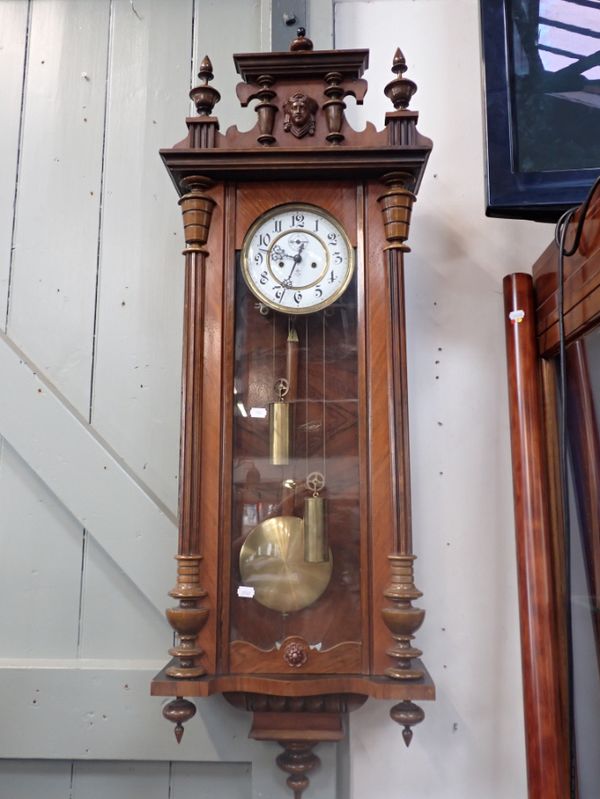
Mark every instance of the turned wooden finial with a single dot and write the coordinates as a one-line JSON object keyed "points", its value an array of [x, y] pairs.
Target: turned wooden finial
{"points": [[178, 711], [205, 97], [301, 42], [400, 90], [407, 714]]}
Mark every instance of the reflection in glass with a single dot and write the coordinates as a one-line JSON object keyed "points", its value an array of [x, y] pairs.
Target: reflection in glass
{"points": [[583, 410], [303, 371]]}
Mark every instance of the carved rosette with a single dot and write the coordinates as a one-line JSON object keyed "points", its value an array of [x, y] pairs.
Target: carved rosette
{"points": [[295, 653]]}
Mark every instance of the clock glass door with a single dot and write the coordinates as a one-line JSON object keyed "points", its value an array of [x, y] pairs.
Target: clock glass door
{"points": [[295, 501]]}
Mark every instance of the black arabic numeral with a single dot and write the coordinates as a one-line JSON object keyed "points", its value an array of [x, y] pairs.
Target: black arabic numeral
{"points": [[298, 297], [337, 257], [277, 226], [332, 239], [264, 239], [264, 278], [318, 291], [332, 277]]}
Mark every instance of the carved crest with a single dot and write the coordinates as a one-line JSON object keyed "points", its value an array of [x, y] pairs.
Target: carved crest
{"points": [[299, 115]]}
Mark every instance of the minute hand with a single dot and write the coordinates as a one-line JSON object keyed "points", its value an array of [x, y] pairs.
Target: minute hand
{"points": [[297, 259]]}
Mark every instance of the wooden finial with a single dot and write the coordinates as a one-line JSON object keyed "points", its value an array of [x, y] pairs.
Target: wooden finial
{"points": [[407, 714], [179, 711], [399, 63], [301, 42], [205, 97], [400, 90], [206, 68]]}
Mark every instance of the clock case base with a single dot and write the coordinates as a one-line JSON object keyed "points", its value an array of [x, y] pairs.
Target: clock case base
{"points": [[382, 170]]}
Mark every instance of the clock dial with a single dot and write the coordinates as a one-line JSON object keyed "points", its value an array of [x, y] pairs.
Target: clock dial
{"points": [[297, 259]]}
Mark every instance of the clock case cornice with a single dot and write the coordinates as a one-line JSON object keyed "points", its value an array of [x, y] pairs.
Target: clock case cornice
{"points": [[332, 150]]}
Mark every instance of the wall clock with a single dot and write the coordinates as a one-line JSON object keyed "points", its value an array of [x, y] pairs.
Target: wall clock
{"points": [[295, 583]]}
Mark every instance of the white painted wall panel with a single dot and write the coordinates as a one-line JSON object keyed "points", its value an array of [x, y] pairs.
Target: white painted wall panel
{"points": [[54, 271], [98, 779], [13, 32], [471, 742], [211, 780], [102, 494], [117, 620], [41, 548], [222, 29], [27, 779], [138, 356]]}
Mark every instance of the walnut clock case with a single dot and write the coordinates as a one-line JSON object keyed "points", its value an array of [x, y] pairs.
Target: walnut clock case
{"points": [[295, 584]]}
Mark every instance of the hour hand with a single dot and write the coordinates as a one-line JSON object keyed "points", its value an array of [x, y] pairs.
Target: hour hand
{"points": [[278, 254]]}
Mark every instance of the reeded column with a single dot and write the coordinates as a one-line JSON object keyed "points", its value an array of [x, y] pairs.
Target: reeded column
{"points": [[400, 617], [190, 616]]}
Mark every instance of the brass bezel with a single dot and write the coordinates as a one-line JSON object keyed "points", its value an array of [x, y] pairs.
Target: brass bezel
{"points": [[294, 208]]}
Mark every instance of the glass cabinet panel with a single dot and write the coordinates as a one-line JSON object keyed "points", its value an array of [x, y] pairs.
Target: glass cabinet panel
{"points": [[296, 483]]}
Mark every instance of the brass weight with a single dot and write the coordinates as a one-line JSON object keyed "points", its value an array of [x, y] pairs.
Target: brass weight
{"points": [[316, 547], [316, 543]]}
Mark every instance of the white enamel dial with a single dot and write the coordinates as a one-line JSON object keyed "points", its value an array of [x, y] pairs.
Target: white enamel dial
{"points": [[297, 259]]}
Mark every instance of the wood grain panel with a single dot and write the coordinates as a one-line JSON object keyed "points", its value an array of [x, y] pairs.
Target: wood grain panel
{"points": [[54, 274], [581, 283], [309, 685], [547, 775], [381, 517], [341, 659]]}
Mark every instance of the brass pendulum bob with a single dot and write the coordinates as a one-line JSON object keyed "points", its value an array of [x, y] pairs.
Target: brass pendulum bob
{"points": [[280, 426], [316, 544]]}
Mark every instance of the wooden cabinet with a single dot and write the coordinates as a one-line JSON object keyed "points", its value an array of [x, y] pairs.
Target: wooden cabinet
{"points": [[558, 530], [295, 565]]}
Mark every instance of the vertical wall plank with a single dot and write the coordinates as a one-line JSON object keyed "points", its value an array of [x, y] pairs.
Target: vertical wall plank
{"points": [[117, 620], [207, 780], [13, 37], [138, 355], [54, 268], [221, 30], [41, 557], [28, 779], [141, 780]]}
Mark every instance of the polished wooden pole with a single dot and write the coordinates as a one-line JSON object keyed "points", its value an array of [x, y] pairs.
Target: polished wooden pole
{"points": [[547, 760]]}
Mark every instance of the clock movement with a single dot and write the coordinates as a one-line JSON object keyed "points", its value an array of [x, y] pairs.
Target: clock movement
{"points": [[295, 583]]}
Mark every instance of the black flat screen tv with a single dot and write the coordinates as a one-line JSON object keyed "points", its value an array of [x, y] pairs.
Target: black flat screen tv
{"points": [[542, 104]]}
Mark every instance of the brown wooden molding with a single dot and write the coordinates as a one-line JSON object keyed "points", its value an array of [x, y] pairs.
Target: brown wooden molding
{"points": [[541, 655], [302, 685]]}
